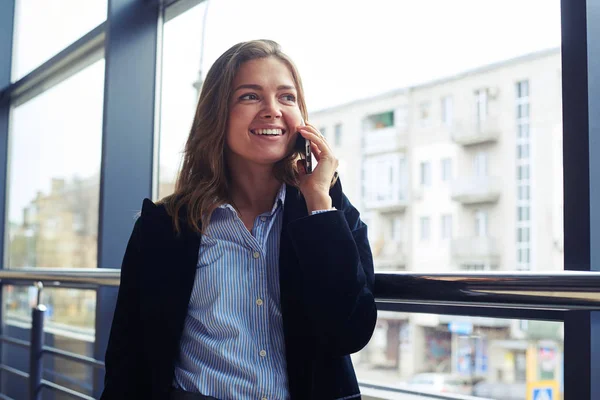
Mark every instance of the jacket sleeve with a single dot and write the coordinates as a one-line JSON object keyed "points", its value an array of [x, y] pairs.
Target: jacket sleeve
{"points": [[336, 277], [124, 358]]}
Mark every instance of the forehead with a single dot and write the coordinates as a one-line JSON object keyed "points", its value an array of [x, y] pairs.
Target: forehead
{"points": [[265, 72]]}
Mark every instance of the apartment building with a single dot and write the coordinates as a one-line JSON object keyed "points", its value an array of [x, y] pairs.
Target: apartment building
{"points": [[463, 173], [459, 174]]}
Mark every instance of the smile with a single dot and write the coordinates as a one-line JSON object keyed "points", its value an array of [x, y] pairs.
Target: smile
{"points": [[268, 132]]}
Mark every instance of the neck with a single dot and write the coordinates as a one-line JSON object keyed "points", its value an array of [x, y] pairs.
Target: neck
{"points": [[253, 187]]}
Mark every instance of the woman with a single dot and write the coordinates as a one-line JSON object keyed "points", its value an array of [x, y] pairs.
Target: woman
{"points": [[254, 280]]}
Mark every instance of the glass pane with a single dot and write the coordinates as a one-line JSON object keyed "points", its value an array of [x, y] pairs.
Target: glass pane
{"points": [[44, 28], [485, 357], [69, 326], [54, 178], [502, 102]]}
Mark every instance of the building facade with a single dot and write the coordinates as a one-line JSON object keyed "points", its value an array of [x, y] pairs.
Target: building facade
{"points": [[459, 174]]}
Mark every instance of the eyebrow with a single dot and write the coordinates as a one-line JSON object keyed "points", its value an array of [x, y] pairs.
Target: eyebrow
{"points": [[258, 87]]}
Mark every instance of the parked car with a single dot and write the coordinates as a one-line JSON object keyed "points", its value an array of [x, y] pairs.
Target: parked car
{"points": [[500, 390], [435, 382]]}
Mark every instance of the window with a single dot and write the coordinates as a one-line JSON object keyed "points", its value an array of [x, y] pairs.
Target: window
{"points": [[44, 28], [481, 105], [447, 110], [54, 194], [425, 173], [380, 121], [523, 181], [446, 226], [480, 164], [425, 228], [425, 113], [446, 169], [404, 98], [396, 228], [473, 267], [338, 135], [481, 223]]}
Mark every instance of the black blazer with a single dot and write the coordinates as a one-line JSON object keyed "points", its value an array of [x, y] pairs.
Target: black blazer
{"points": [[327, 304]]}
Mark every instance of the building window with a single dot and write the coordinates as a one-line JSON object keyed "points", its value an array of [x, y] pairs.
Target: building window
{"points": [[337, 140], [481, 105], [473, 267], [446, 169], [425, 113], [446, 226], [380, 121], [396, 229], [425, 228], [523, 172], [480, 164], [383, 178], [481, 223], [447, 110], [425, 174]]}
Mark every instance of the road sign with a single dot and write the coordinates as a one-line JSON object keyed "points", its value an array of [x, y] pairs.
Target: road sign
{"points": [[542, 390]]}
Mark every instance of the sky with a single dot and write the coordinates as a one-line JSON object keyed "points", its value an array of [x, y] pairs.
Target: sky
{"points": [[344, 51]]}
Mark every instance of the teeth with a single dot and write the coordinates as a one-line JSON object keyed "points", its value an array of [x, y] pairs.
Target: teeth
{"points": [[270, 132]]}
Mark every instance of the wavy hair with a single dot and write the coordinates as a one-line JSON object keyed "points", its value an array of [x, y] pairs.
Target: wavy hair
{"points": [[203, 182]]}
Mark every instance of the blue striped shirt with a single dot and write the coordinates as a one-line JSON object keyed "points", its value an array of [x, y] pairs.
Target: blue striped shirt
{"points": [[232, 346]]}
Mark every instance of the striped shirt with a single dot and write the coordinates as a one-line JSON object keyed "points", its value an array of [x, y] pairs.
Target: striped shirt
{"points": [[232, 346]]}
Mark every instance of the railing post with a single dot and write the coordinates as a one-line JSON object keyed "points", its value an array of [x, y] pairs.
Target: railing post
{"points": [[37, 344]]}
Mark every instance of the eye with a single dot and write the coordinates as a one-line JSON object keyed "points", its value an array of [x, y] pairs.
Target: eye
{"points": [[289, 97], [249, 96]]}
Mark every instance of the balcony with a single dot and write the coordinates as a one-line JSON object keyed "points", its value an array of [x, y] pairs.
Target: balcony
{"points": [[468, 134], [476, 249], [476, 190], [384, 140], [391, 256], [386, 206]]}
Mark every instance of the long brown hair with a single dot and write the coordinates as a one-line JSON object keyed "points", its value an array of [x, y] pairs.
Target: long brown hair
{"points": [[203, 182]]}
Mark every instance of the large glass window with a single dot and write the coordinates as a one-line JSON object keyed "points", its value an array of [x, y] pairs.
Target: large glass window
{"points": [[44, 28], [495, 112], [489, 358], [69, 326], [54, 162]]}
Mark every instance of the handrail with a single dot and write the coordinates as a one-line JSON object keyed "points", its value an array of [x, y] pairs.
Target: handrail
{"points": [[563, 290], [567, 290], [64, 277]]}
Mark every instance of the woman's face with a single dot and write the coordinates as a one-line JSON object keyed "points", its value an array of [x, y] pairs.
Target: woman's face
{"points": [[264, 112]]}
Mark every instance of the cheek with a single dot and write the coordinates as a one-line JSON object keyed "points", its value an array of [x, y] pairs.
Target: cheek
{"points": [[293, 119]]}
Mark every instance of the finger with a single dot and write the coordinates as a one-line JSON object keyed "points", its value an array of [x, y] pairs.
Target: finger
{"points": [[316, 151], [311, 128], [316, 139]]}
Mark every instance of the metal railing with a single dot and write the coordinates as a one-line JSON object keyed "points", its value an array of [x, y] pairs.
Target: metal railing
{"points": [[561, 291]]}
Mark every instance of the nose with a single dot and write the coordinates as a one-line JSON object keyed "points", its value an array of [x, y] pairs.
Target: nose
{"points": [[271, 110]]}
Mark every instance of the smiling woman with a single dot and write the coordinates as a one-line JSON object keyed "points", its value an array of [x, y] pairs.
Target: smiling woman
{"points": [[246, 220]]}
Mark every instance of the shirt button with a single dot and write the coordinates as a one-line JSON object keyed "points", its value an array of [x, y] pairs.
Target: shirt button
{"points": [[263, 219], [263, 353], [259, 302], [256, 254], [264, 398]]}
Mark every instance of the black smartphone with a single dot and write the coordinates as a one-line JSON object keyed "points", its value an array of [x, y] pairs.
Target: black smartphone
{"points": [[303, 146]]}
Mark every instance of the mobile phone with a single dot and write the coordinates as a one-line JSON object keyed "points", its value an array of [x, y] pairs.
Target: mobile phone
{"points": [[303, 146]]}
